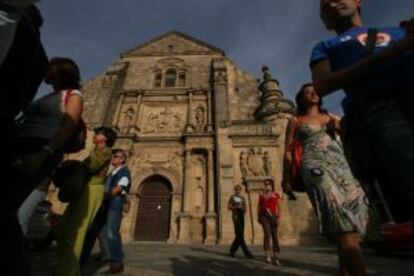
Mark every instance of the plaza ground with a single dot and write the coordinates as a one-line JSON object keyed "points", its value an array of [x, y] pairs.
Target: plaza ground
{"points": [[162, 259]]}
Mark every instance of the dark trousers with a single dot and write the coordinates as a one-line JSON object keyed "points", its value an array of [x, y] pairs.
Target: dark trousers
{"points": [[380, 145], [93, 233], [238, 222], [270, 233]]}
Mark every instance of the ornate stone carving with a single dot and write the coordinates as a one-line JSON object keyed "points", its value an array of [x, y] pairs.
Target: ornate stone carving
{"points": [[221, 77], [128, 117], [255, 163], [175, 162], [164, 121], [172, 161], [244, 168]]}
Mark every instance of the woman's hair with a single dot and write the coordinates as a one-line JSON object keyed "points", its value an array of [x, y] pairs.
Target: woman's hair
{"points": [[64, 73], [272, 183], [301, 107], [109, 133]]}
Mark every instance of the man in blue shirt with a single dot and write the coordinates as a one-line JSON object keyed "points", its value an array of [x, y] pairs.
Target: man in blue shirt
{"points": [[377, 80], [108, 220]]}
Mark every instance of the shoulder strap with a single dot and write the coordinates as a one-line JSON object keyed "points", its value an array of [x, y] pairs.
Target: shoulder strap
{"points": [[371, 40]]}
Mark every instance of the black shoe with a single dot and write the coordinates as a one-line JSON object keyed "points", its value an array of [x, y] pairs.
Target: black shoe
{"points": [[249, 256], [232, 254]]}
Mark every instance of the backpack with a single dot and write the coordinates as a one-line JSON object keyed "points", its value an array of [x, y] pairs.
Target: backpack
{"points": [[77, 141]]}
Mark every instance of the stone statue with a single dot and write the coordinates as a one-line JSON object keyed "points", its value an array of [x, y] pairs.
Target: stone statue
{"points": [[244, 168], [129, 116], [199, 116]]}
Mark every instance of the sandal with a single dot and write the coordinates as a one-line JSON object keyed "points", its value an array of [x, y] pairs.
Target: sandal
{"points": [[268, 260]]}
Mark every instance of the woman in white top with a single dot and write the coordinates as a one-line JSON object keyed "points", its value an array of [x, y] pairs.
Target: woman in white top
{"points": [[47, 124]]}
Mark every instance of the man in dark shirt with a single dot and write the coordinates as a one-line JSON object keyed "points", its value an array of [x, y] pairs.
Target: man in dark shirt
{"points": [[237, 204]]}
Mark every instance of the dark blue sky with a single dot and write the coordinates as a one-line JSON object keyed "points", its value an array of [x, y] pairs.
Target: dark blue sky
{"points": [[279, 33]]}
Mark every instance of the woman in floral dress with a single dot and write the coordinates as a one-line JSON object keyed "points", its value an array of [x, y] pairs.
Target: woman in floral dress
{"points": [[338, 199]]}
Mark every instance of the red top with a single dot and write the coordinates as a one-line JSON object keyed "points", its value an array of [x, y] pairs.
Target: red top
{"points": [[271, 203]]}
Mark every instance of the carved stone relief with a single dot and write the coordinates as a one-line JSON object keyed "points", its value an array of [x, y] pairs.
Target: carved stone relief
{"points": [[172, 161], [164, 120], [255, 163]]}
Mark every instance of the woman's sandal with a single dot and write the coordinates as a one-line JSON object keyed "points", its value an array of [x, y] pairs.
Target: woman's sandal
{"points": [[268, 260]]}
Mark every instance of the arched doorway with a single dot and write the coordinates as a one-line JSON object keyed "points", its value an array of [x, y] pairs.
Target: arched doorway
{"points": [[154, 209]]}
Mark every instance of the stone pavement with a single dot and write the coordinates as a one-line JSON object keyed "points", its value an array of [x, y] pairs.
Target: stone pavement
{"points": [[149, 259]]}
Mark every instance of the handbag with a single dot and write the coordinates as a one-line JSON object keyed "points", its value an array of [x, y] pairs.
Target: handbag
{"points": [[71, 178]]}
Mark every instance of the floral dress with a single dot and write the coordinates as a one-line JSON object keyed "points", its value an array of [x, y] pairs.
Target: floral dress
{"points": [[337, 197]]}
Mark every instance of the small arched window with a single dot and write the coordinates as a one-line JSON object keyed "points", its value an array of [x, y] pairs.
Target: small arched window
{"points": [[170, 78], [157, 80], [181, 80]]}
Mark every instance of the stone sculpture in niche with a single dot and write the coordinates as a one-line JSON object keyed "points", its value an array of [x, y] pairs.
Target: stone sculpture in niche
{"points": [[129, 115], [244, 168], [199, 116]]}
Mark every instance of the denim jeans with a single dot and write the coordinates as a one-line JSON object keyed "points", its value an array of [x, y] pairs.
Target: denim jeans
{"points": [[391, 138], [28, 208], [113, 225]]}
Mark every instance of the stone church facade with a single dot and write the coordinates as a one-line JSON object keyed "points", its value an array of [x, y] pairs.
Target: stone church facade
{"points": [[195, 125]]}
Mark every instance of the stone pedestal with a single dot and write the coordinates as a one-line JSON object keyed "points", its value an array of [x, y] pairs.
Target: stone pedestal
{"points": [[184, 232], [211, 229]]}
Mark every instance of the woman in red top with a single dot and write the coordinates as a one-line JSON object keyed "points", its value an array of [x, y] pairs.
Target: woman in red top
{"points": [[269, 219]]}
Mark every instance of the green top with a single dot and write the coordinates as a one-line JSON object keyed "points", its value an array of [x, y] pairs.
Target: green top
{"points": [[98, 161]]}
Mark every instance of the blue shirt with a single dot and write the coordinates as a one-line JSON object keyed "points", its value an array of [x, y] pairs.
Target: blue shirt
{"points": [[348, 48]]}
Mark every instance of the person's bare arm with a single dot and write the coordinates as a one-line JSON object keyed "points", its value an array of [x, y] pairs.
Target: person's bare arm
{"points": [[326, 81], [287, 160]]}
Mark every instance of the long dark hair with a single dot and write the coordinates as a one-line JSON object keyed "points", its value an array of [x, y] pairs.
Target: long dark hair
{"points": [[301, 107], [63, 72]]}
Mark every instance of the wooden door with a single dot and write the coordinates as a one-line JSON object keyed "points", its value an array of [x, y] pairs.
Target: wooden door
{"points": [[153, 219]]}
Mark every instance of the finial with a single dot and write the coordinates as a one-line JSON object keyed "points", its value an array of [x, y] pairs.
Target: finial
{"points": [[266, 74]]}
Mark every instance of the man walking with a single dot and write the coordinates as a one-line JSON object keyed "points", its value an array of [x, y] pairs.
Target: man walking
{"points": [[237, 204]]}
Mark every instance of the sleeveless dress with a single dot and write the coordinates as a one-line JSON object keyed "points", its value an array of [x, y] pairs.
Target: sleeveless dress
{"points": [[337, 197]]}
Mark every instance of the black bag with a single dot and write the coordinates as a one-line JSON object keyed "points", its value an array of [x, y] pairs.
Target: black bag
{"points": [[77, 140], [71, 178]]}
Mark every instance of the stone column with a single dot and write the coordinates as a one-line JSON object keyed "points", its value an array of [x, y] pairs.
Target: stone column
{"points": [[211, 216], [209, 112], [135, 127], [189, 126], [118, 111], [184, 216]]}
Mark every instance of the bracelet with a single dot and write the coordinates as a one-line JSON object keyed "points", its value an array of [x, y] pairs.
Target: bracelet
{"points": [[48, 149]]}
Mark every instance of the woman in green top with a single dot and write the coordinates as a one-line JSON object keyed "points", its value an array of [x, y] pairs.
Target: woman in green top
{"points": [[81, 212]]}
